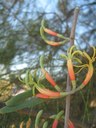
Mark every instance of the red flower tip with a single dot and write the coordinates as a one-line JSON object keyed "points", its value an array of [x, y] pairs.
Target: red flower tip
{"points": [[55, 123], [88, 75]]}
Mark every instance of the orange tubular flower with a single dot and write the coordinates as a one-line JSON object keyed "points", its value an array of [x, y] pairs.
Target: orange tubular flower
{"points": [[47, 93], [47, 75], [90, 66], [88, 75], [70, 70], [70, 65]]}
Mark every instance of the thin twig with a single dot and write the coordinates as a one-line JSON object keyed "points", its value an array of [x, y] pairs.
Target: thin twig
{"points": [[72, 35], [68, 87]]}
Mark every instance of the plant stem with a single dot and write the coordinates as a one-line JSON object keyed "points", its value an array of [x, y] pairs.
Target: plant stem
{"points": [[68, 87]]}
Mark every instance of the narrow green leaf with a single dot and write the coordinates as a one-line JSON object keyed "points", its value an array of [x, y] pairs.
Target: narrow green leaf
{"points": [[19, 98], [30, 103]]}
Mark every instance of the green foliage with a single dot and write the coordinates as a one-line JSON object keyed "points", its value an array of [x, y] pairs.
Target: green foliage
{"points": [[20, 98], [29, 103]]}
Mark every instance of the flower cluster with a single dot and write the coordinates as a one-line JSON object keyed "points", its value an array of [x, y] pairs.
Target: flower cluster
{"points": [[34, 81], [71, 58], [72, 62]]}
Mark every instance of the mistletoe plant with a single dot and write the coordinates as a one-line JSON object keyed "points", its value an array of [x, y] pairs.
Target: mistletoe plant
{"points": [[38, 93]]}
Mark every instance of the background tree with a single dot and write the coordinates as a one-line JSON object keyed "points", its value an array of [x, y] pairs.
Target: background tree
{"points": [[21, 44]]}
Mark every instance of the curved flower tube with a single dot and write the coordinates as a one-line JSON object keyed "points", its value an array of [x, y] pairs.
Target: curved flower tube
{"points": [[53, 43], [90, 68], [86, 80], [88, 75], [47, 93], [48, 31], [47, 75]]}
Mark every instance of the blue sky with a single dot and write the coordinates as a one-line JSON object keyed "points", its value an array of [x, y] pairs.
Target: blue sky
{"points": [[41, 6], [47, 5]]}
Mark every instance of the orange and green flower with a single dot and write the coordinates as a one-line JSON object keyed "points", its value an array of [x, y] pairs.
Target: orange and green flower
{"points": [[70, 70], [47, 75], [46, 93], [50, 32], [88, 75], [90, 66], [57, 117]]}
